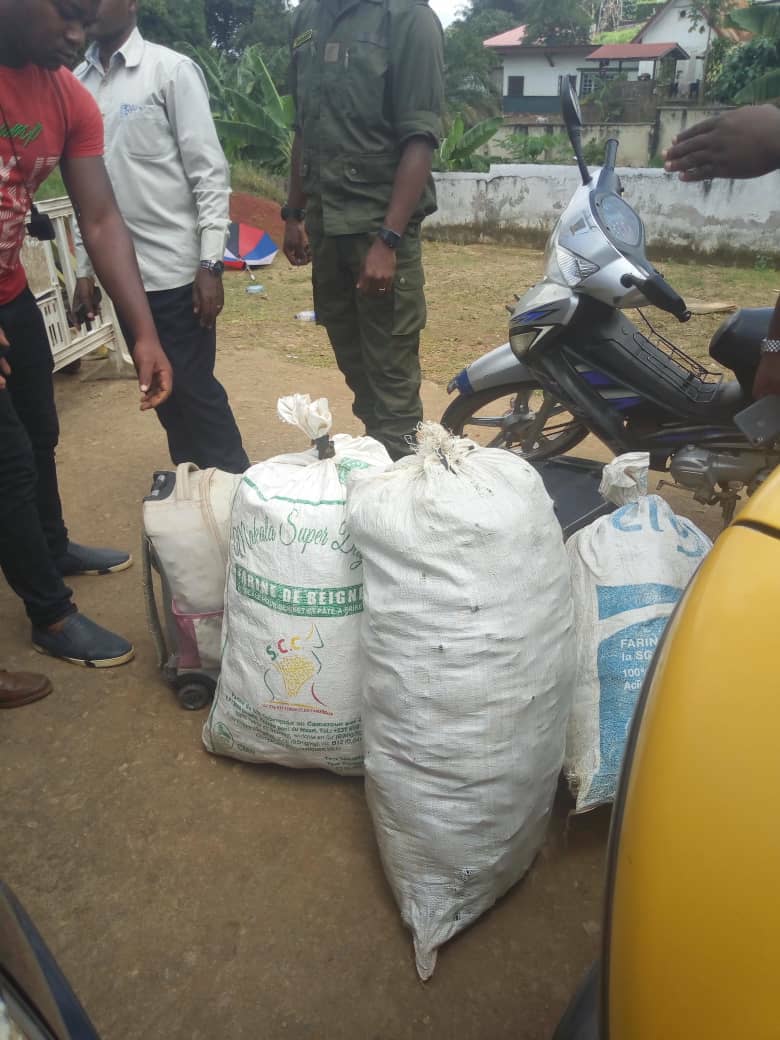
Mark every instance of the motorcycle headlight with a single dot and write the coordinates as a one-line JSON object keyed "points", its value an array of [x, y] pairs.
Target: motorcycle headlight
{"points": [[521, 342]]}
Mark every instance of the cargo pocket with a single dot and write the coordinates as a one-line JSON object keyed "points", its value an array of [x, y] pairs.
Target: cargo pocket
{"points": [[409, 308]]}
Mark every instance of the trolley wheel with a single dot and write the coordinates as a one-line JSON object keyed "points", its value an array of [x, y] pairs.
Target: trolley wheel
{"points": [[194, 694]]}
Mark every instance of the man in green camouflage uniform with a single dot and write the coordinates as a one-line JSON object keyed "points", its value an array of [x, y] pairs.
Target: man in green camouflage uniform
{"points": [[367, 78]]}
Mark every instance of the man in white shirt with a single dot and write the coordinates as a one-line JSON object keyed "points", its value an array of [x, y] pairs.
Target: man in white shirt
{"points": [[172, 184]]}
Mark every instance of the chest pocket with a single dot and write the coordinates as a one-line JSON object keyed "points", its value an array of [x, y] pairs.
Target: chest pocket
{"points": [[367, 60], [144, 132]]}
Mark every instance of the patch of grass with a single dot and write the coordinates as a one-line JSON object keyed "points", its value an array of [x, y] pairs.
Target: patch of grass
{"points": [[468, 287], [52, 188], [249, 177]]}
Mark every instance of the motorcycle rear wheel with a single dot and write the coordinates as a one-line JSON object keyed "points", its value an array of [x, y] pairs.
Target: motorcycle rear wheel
{"points": [[508, 417]]}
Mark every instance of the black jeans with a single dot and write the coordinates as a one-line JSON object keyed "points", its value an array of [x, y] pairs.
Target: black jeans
{"points": [[32, 531], [197, 417]]}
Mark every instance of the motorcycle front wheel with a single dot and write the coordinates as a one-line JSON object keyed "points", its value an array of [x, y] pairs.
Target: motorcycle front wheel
{"points": [[523, 418]]}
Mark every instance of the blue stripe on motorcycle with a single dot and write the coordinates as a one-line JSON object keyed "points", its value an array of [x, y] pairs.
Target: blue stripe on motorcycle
{"points": [[463, 383]]}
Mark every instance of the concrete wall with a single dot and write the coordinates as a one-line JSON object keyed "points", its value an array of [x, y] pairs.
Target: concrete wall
{"points": [[728, 218], [671, 120], [635, 138]]}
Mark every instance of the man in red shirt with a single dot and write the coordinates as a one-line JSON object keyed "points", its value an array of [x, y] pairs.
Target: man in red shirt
{"points": [[46, 118]]}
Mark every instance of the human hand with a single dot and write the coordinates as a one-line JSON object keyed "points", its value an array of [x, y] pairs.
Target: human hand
{"points": [[296, 243], [767, 379], [208, 297], [155, 376], [86, 300], [378, 270], [744, 142]]}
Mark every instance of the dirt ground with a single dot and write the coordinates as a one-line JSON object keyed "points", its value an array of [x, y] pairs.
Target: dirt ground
{"points": [[189, 897]]}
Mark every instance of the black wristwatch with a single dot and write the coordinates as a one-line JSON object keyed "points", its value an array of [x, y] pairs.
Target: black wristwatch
{"points": [[291, 213], [390, 238], [215, 267]]}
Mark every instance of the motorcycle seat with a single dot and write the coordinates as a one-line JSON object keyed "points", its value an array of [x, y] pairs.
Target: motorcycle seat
{"points": [[737, 342]]}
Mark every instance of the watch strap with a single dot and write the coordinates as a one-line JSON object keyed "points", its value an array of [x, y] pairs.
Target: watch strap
{"points": [[212, 266], [289, 212], [390, 238]]}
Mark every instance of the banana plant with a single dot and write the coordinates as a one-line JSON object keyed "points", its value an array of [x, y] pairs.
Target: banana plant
{"points": [[458, 150], [254, 121]]}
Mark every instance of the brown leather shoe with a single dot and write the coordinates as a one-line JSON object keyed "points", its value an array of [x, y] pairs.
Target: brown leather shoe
{"points": [[18, 688]]}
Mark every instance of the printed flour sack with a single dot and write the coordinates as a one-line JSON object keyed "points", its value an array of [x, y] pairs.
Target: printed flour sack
{"points": [[469, 661], [289, 689], [628, 571]]}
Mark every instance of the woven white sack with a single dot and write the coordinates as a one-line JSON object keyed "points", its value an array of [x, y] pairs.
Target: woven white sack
{"points": [[289, 689], [628, 569], [467, 635]]}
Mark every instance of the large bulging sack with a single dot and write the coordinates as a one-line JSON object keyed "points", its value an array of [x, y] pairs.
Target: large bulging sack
{"points": [[469, 658], [628, 571], [289, 689]]}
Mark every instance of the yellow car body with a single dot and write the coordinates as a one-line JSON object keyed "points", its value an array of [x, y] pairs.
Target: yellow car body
{"points": [[692, 929]]}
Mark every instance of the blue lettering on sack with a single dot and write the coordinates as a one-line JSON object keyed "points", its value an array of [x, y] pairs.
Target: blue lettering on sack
{"points": [[623, 660], [627, 521]]}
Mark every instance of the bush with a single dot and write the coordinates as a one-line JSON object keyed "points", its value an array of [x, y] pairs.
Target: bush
{"points": [[544, 148], [742, 65], [255, 179]]}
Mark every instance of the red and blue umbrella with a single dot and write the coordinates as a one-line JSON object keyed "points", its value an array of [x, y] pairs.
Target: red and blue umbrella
{"points": [[248, 246]]}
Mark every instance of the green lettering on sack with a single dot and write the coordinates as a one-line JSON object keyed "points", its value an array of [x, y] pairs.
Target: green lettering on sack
{"points": [[299, 601]]}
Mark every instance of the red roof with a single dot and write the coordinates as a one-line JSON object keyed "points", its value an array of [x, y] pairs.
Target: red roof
{"points": [[637, 52], [512, 38]]}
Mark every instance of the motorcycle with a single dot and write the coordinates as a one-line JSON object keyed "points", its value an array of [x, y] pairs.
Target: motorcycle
{"points": [[576, 365]]}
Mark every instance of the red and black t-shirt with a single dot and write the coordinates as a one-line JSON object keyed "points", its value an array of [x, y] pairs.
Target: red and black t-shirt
{"points": [[49, 115]]}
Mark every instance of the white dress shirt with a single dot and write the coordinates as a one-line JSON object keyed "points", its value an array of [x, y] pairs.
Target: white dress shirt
{"points": [[167, 167]]}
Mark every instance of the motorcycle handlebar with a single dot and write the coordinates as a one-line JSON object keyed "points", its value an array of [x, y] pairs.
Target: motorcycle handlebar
{"points": [[657, 291], [610, 154]]}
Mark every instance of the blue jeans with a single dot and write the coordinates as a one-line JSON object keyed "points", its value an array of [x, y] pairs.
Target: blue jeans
{"points": [[32, 530]]}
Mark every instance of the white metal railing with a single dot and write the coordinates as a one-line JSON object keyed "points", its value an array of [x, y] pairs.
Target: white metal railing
{"points": [[68, 344]]}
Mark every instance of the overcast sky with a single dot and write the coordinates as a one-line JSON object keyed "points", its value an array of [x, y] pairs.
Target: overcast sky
{"points": [[447, 10]]}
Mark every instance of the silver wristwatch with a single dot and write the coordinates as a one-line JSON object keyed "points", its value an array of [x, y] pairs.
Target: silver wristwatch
{"points": [[770, 346]]}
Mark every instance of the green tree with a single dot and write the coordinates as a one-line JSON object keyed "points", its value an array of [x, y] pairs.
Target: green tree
{"points": [[226, 20], [559, 22], [763, 83], [516, 9], [748, 72], [171, 22], [470, 80]]}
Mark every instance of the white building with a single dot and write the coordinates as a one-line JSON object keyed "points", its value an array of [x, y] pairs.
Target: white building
{"points": [[683, 22], [531, 74]]}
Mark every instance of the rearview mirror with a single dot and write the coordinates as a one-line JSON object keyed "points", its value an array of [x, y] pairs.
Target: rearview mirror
{"points": [[572, 117], [570, 105]]}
